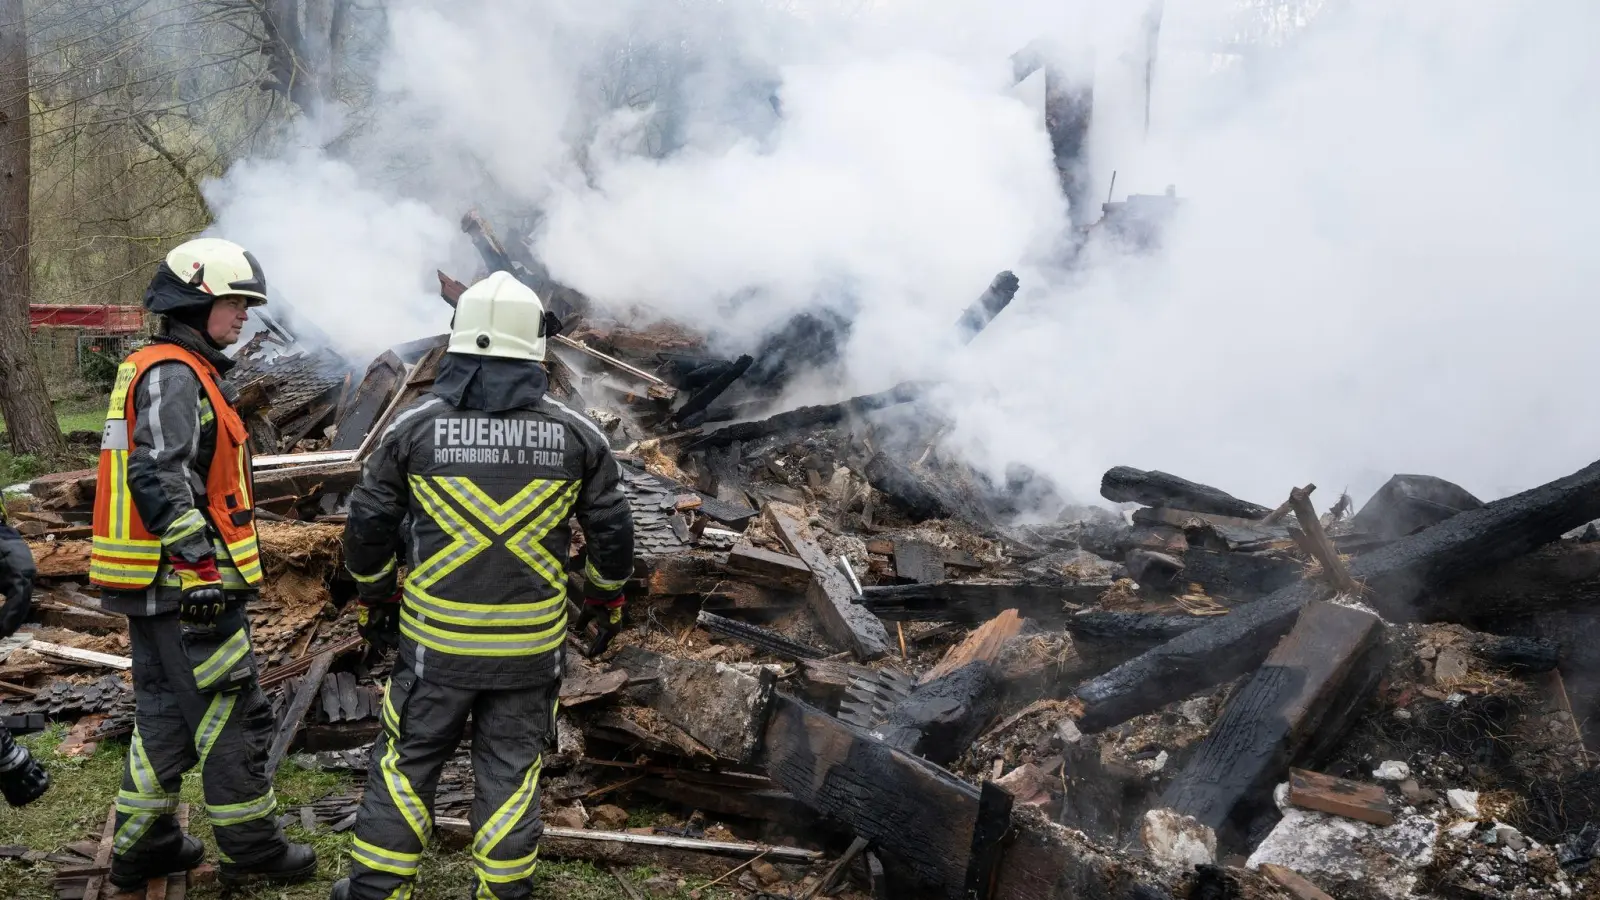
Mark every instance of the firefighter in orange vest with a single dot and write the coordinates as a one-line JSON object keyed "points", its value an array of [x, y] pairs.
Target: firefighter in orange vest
{"points": [[175, 550]]}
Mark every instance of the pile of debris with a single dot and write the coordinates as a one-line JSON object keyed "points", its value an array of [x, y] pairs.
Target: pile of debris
{"points": [[846, 668]]}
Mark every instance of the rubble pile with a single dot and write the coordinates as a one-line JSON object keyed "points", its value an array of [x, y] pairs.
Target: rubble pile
{"points": [[847, 669]]}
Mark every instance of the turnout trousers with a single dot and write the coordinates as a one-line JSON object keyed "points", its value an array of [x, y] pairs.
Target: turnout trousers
{"points": [[176, 726], [422, 723]]}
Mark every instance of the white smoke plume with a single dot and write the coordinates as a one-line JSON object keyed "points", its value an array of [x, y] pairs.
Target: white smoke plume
{"points": [[1381, 264]]}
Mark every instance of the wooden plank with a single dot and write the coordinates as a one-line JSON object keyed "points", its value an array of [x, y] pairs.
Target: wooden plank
{"points": [[1340, 797], [970, 603], [102, 857], [721, 707], [305, 692], [988, 841], [721, 848], [81, 657], [830, 594], [1293, 882], [918, 562], [907, 806], [1333, 567], [811, 416], [764, 639], [1304, 696], [1396, 575], [982, 645], [783, 568]]}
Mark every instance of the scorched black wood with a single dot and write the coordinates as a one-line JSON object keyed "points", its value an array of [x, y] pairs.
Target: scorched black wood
{"points": [[1124, 484], [1394, 576]]}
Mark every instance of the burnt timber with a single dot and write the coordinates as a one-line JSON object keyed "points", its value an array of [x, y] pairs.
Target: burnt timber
{"points": [[1123, 484], [1303, 698], [1395, 576]]}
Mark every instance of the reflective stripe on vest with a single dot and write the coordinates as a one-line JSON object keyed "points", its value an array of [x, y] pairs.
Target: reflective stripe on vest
{"points": [[458, 626], [126, 555]]}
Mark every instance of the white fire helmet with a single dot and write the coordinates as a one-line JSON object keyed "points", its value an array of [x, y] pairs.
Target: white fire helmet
{"points": [[499, 316], [219, 268]]}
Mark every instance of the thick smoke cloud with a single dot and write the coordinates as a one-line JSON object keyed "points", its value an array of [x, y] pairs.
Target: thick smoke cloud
{"points": [[1381, 262]]}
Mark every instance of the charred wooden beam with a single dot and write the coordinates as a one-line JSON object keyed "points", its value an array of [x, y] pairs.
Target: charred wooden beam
{"points": [[1561, 576], [1124, 484], [955, 700], [1105, 639], [1523, 655], [905, 488], [830, 594], [689, 415], [918, 562], [811, 416], [996, 298], [1395, 576], [775, 569], [973, 603], [906, 806], [1239, 576], [1301, 700], [764, 639], [1321, 549]]}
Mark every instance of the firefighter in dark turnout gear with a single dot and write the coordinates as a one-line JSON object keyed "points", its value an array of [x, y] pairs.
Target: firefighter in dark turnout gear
{"points": [[22, 781], [175, 550], [486, 474]]}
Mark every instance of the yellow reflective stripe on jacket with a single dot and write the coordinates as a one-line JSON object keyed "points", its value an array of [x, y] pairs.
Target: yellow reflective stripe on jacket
{"points": [[499, 615], [466, 541], [483, 644], [191, 522], [527, 543], [388, 569], [246, 557], [394, 862], [499, 516], [459, 627], [600, 581]]}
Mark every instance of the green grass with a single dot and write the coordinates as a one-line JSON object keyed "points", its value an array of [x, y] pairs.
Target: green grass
{"points": [[73, 415], [81, 792], [89, 419]]}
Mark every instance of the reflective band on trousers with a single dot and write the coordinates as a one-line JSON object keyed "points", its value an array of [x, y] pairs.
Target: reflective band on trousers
{"points": [[223, 815], [230, 654], [405, 797], [205, 737], [392, 861]]}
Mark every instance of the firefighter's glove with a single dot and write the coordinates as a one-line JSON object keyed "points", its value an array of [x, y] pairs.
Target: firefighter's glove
{"points": [[22, 780], [202, 600], [603, 608], [378, 620]]}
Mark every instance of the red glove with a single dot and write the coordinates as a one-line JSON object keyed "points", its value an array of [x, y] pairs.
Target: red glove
{"points": [[202, 601]]}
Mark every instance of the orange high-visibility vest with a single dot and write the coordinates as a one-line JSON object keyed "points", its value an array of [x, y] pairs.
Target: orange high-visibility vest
{"points": [[125, 555]]}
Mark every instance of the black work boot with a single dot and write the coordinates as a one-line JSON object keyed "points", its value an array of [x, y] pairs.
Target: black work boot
{"points": [[130, 873], [297, 863], [341, 890]]}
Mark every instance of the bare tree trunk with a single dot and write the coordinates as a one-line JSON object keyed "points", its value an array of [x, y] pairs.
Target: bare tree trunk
{"points": [[24, 402]]}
